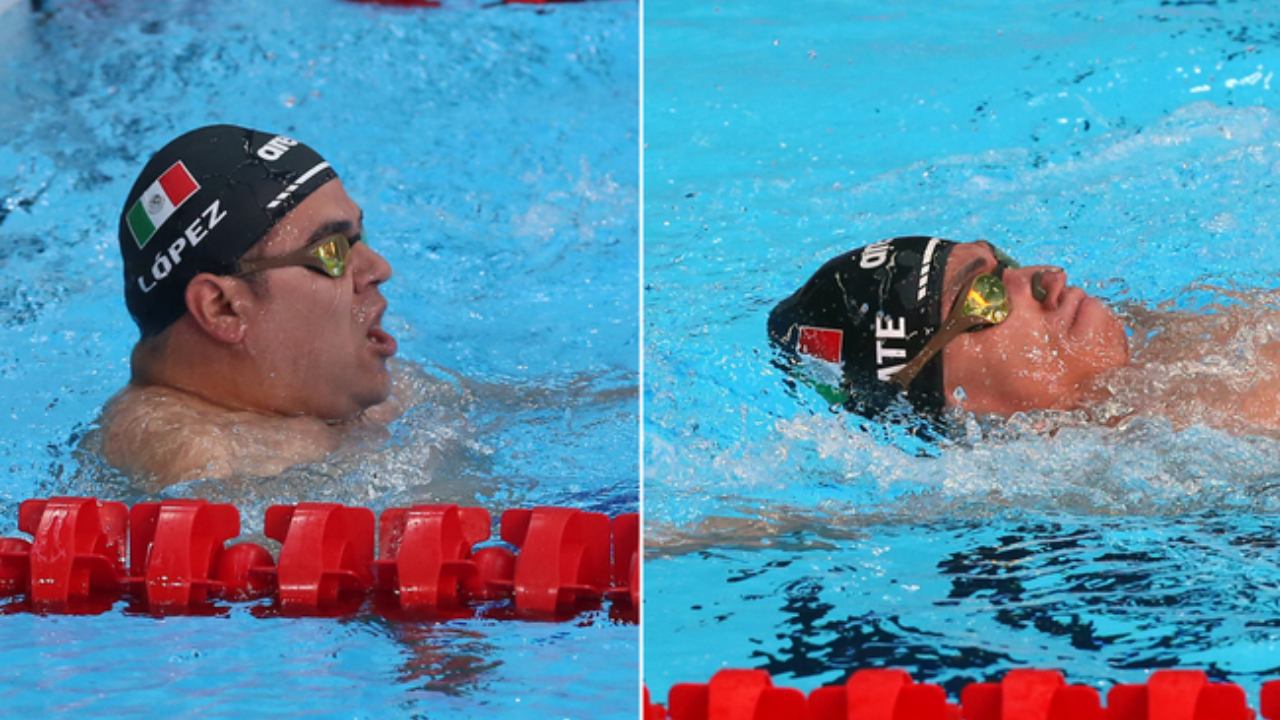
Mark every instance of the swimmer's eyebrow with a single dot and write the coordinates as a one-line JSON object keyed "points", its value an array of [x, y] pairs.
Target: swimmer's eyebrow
{"points": [[336, 227]]}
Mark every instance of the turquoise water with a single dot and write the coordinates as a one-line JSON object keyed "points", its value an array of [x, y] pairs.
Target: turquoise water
{"points": [[1135, 144], [493, 150]]}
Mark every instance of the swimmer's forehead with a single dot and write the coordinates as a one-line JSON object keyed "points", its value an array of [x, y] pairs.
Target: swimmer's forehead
{"points": [[326, 211], [965, 261]]}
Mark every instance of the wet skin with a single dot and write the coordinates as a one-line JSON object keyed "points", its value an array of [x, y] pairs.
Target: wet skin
{"points": [[319, 339], [1048, 354]]}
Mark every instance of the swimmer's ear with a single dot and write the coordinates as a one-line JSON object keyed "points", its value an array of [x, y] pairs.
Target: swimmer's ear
{"points": [[217, 305]]}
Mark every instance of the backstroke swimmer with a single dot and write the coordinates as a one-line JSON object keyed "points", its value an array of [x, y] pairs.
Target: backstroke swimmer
{"points": [[948, 325]]}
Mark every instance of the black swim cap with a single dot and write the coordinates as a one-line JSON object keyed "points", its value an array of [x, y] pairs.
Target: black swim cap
{"points": [[869, 311], [201, 203]]}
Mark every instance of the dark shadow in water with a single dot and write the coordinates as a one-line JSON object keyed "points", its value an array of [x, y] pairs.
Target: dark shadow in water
{"points": [[1167, 590], [863, 641]]}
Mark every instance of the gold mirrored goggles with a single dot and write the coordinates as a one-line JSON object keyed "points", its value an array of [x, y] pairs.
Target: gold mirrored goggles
{"points": [[328, 256], [983, 303]]}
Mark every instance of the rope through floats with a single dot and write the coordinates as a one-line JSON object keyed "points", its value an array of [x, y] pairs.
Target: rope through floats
{"points": [[1020, 695], [428, 562]]}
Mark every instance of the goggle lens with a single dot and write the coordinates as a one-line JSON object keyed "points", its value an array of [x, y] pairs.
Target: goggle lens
{"points": [[327, 255], [333, 256], [987, 300]]}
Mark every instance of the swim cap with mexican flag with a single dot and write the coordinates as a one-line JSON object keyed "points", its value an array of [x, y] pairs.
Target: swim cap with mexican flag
{"points": [[199, 204], [868, 312]]}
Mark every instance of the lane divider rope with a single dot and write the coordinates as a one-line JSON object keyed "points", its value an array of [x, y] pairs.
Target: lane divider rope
{"points": [[1023, 694], [173, 557]]}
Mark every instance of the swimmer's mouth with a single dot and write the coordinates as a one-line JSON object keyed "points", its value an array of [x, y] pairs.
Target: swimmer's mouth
{"points": [[381, 340]]}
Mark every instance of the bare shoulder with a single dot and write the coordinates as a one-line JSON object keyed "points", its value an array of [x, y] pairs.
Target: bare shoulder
{"points": [[170, 437], [148, 430]]}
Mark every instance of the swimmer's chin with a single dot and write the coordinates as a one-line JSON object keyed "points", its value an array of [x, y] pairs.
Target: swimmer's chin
{"points": [[398, 396]]}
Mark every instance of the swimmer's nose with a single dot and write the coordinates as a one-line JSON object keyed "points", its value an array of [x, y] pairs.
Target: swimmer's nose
{"points": [[1046, 286], [369, 267], [1041, 284]]}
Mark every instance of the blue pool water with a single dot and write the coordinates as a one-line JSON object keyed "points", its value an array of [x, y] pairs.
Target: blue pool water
{"points": [[493, 150], [1135, 143]]}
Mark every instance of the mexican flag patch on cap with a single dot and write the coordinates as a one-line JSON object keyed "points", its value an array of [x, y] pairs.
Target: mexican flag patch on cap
{"points": [[822, 343], [160, 200]]}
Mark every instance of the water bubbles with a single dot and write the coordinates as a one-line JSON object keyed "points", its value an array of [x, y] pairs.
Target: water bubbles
{"points": [[1221, 223]]}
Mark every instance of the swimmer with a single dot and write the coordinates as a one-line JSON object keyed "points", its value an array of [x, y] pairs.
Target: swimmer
{"points": [[258, 299], [948, 325]]}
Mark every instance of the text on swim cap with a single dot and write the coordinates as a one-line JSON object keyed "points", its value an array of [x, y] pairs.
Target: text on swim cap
{"points": [[168, 259], [887, 329], [276, 147], [874, 255]]}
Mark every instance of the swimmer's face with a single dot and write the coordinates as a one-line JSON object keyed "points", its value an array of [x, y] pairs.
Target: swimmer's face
{"points": [[318, 340], [1046, 355]]}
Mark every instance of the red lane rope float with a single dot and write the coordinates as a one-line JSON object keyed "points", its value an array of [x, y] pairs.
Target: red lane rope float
{"points": [[427, 560], [426, 553], [326, 551], [80, 547], [178, 545], [1020, 695]]}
